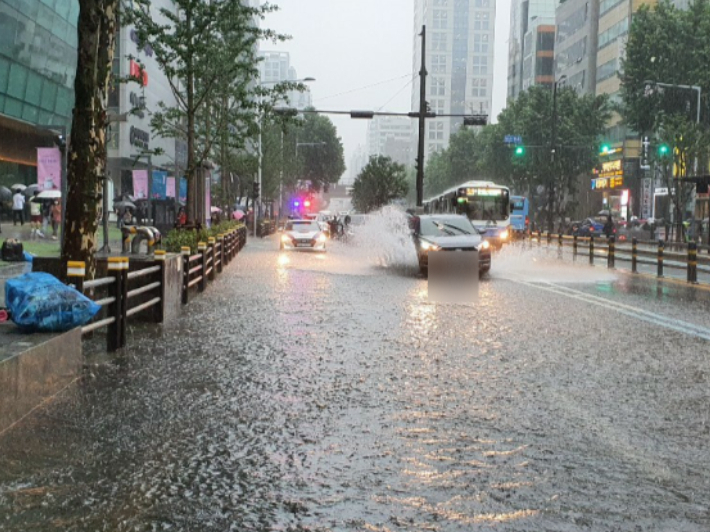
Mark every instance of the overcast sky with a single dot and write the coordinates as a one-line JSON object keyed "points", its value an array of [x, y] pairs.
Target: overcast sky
{"points": [[361, 52]]}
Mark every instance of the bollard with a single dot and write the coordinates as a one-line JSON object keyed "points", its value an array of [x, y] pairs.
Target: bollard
{"points": [[76, 271], [202, 249], [693, 262], [185, 252], [610, 255], [591, 249], [559, 240], [574, 248], [549, 238], [159, 309], [661, 244], [220, 240], [539, 237], [634, 255], [115, 309]]}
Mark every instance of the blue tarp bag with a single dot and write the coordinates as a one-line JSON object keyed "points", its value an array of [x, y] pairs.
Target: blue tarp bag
{"points": [[39, 302]]}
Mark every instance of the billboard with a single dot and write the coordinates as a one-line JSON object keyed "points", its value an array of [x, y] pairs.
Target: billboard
{"points": [[49, 169], [140, 184]]}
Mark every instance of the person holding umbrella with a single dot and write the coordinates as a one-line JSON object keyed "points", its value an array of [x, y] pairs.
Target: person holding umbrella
{"points": [[55, 214]]}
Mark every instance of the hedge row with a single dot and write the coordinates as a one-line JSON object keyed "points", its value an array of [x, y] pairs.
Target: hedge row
{"points": [[178, 238]]}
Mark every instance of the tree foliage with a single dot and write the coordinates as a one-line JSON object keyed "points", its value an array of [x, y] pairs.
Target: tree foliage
{"points": [[207, 51], [379, 183]]}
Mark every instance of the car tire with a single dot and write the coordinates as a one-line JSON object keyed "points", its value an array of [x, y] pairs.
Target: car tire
{"points": [[424, 271]]}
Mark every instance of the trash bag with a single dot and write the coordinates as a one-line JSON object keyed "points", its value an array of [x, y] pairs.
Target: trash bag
{"points": [[12, 251], [39, 302], [28, 256]]}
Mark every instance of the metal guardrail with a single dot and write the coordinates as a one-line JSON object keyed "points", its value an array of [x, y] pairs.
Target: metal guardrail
{"points": [[123, 287], [636, 252]]}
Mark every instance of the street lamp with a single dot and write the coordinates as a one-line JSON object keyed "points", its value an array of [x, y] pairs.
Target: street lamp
{"points": [[261, 127]]}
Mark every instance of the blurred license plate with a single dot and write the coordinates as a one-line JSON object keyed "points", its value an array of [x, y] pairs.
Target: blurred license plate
{"points": [[304, 245]]}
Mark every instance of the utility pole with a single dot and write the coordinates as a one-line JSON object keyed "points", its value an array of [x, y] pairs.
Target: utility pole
{"points": [[422, 116]]}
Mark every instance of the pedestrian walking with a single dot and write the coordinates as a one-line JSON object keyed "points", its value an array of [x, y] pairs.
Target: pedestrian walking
{"points": [[18, 208], [36, 206], [55, 213], [609, 227]]}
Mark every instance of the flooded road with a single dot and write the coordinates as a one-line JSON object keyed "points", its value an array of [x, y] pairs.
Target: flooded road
{"points": [[326, 393]]}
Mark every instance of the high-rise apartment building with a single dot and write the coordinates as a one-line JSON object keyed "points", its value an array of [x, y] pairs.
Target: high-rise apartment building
{"points": [[391, 136], [459, 62], [528, 43], [275, 67], [576, 44]]}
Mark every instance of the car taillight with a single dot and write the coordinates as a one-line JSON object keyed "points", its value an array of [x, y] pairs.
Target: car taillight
{"points": [[527, 221]]}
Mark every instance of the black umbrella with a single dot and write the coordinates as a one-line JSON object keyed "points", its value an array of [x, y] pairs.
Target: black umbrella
{"points": [[124, 204], [30, 191], [5, 194]]}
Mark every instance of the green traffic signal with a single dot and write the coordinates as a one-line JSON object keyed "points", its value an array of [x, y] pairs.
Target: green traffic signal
{"points": [[519, 151], [605, 148], [663, 150]]}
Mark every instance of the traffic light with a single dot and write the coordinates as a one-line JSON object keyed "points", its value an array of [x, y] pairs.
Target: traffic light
{"points": [[663, 150], [519, 151], [255, 189], [604, 149]]}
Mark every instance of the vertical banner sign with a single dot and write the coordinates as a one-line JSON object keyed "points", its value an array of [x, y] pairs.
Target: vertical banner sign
{"points": [[170, 187], [140, 184], [208, 200], [646, 199], [49, 169], [160, 183], [183, 190]]}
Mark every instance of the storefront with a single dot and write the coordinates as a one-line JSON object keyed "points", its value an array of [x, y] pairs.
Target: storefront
{"points": [[616, 196]]}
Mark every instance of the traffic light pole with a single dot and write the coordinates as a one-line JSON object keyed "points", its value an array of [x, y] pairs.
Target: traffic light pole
{"points": [[422, 117]]}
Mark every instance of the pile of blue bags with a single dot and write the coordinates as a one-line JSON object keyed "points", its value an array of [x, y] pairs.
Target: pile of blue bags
{"points": [[39, 302]]}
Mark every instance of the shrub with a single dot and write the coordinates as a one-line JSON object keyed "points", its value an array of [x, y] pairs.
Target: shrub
{"points": [[177, 238]]}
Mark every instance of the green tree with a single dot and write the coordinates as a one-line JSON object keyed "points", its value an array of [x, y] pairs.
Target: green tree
{"points": [[379, 183], [87, 154], [320, 151], [207, 51]]}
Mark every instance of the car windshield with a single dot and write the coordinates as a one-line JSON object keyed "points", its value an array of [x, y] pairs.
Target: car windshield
{"points": [[446, 226], [305, 226]]}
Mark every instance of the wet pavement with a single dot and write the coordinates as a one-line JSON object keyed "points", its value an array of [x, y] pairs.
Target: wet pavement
{"points": [[324, 392]]}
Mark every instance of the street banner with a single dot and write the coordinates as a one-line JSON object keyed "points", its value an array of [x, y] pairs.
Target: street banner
{"points": [[140, 184], [208, 200], [49, 169], [159, 188], [183, 190], [170, 187]]}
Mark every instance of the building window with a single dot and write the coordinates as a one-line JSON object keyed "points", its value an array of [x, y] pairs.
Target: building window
{"points": [[480, 43], [607, 5], [439, 42], [438, 87], [438, 64], [607, 70], [441, 3], [440, 19], [479, 87], [613, 33], [482, 3], [481, 21], [480, 65], [436, 130]]}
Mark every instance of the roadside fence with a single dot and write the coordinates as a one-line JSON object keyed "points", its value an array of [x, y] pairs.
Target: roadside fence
{"points": [[139, 287], [660, 255]]}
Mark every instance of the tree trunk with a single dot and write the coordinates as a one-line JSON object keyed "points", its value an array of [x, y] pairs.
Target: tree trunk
{"points": [[87, 154]]}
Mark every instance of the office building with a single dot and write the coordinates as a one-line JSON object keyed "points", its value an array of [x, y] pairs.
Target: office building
{"points": [[539, 54], [529, 21], [37, 68], [391, 136], [275, 67], [459, 62], [576, 44]]}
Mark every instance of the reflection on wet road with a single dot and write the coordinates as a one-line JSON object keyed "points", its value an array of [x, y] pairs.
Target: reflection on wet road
{"points": [[324, 392]]}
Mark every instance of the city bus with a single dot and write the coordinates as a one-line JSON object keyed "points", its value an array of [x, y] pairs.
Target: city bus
{"points": [[486, 204], [519, 214]]}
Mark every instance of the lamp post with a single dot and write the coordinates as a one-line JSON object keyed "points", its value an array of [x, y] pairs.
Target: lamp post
{"points": [[261, 127], [553, 144]]}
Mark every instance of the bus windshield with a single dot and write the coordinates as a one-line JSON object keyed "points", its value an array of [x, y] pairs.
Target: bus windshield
{"points": [[488, 205]]}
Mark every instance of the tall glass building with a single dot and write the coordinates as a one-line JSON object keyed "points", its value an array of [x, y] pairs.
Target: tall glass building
{"points": [[38, 43]]}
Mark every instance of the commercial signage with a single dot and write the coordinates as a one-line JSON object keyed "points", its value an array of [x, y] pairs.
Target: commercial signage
{"points": [[513, 139], [646, 199], [139, 138], [140, 184], [662, 191], [138, 73], [183, 190], [170, 187], [137, 104], [611, 169], [600, 183], [148, 49], [49, 169], [483, 191], [159, 185]]}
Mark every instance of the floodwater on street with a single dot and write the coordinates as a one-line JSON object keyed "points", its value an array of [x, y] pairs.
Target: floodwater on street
{"points": [[324, 392]]}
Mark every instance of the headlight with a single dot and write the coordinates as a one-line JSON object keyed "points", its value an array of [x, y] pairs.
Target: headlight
{"points": [[484, 245], [322, 238], [504, 234], [428, 246], [285, 238]]}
